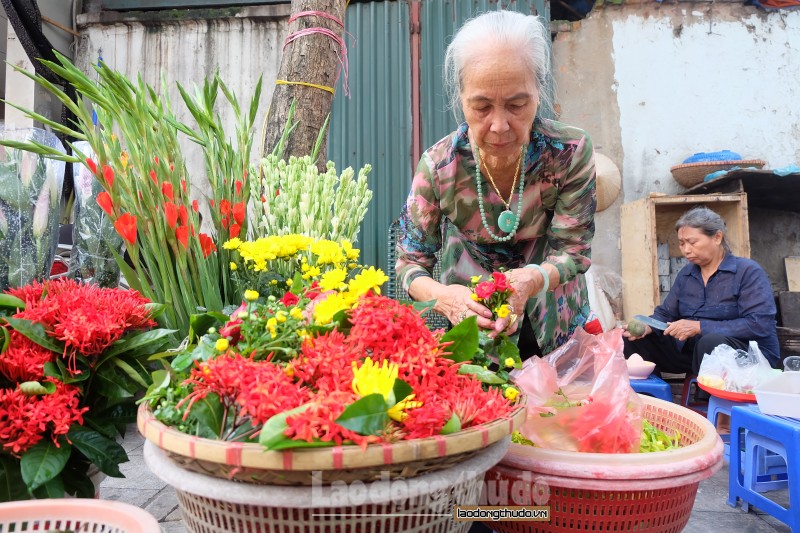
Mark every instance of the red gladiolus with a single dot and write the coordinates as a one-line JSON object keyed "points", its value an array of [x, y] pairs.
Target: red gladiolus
{"points": [[153, 177], [211, 203], [171, 167], [182, 234], [171, 214], [238, 184], [239, 211], [207, 244], [263, 199], [105, 203], [166, 188], [92, 165], [195, 206], [289, 299], [191, 229], [183, 185], [126, 227], [225, 222], [277, 193], [155, 159], [225, 207], [108, 175], [183, 215], [235, 230]]}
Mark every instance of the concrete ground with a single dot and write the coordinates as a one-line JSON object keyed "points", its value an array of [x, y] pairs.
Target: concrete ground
{"points": [[142, 488]]}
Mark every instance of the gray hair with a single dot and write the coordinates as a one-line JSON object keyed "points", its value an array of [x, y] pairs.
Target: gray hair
{"points": [[706, 221], [525, 33]]}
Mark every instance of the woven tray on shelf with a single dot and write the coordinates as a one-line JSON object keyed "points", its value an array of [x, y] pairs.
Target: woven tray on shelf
{"points": [[249, 462], [691, 174]]}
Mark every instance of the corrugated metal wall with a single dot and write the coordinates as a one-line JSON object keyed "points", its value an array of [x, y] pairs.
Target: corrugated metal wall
{"points": [[374, 124], [440, 20]]}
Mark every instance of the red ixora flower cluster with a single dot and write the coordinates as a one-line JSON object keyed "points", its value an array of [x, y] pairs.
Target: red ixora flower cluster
{"points": [[24, 419], [86, 318]]}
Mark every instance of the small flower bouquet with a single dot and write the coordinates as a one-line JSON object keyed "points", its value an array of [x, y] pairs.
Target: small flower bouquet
{"points": [[72, 358], [322, 359], [494, 294]]}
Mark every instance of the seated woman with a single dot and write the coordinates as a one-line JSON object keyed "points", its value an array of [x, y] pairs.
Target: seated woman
{"points": [[717, 298]]}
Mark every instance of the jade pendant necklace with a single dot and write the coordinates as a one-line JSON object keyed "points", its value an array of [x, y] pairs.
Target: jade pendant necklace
{"points": [[508, 221]]}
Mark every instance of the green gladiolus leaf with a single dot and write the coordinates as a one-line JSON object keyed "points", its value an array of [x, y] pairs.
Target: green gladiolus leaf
{"points": [[102, 451], [12, 487], [34, 388], [36, 333], [43, 462], [366, 416], [452, 426], [482, 374], [272, 434], [464, 340], [155, 309]]}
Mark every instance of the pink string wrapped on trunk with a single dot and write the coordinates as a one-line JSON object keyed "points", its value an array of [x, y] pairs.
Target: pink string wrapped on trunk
{"points": [[324, 31]]}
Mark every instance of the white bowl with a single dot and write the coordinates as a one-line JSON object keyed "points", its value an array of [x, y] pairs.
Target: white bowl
{"points": [[640, 370]]}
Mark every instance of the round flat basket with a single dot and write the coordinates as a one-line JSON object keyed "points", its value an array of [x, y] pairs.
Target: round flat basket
{"points": [[691, 174], [646, 492], [420, 505], [75, 514], [251, 463]]}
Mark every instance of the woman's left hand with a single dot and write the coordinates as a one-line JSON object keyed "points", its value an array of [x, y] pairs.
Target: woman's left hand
{"points": [[683, 329], [526, 282]]}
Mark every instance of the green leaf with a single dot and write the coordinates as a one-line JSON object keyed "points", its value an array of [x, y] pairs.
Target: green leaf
{"points": [[43, 462], [76, 482], [112, 386], [155, 309], [401, 390], [130, 274], [507, 349], [482, 374], [34, 388], [5, 338], [208, 414], [202, 352], [464, 340], [452, 426], [35, 332], [12, 487], [131, 373], [199, 324], [11, 303], [366, 416], [51, 370], [423, 307], [272, 436], [103, 452], [50, 489], [135, 342], [160, 380]]}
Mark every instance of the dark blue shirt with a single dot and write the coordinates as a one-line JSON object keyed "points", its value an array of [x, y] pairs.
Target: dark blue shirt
{"points": [[737, 302]]}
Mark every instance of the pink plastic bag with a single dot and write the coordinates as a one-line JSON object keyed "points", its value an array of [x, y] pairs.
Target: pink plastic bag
{"points": [[579, 397]]}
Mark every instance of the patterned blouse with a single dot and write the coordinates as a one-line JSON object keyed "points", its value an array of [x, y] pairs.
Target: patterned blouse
{"points": [[556, 227]]}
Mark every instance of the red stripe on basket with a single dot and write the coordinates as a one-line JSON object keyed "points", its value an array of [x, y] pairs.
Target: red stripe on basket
{"points": [[192, 441], [510, 424], [160, 436], [387, 453], [441, 444], [484, 436], [233, 454], [287, 460], [338, 459]]}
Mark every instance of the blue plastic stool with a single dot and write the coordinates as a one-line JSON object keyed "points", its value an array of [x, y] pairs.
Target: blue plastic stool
{"points": [[717, 406], [653, 386], [686, 396], [777, 434]]}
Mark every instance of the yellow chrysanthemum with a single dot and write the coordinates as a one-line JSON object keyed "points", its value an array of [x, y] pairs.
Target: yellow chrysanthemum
{"points": [[509, 361], [296, 313], [511, 394], [222, 344], [232, 244], [280, 316], [369, 279], [351, 253], [373, 379], [328, 252], [503, 311], [251, 295], [289, 282], [288, 370], [326, 309], [272, 323], [312, 272], [475, 279], [474, 297], [233, 266], [332, 279], [398, 411]]}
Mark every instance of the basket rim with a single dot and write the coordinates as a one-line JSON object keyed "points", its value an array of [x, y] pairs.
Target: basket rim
{"points": [[117, 514], [253, 455], [727, 162]]}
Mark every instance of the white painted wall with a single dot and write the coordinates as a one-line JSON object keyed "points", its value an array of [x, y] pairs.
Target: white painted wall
{"points": [[656, 83]]}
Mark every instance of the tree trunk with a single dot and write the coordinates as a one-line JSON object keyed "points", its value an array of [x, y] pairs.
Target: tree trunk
{"points": [[312, 58]]}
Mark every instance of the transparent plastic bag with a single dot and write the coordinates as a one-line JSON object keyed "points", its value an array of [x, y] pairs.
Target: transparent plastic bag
{"points": [[579, 397], [93, 235], [30, 208], [729, 369]]}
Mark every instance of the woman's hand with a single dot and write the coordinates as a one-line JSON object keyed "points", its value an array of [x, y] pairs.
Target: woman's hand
{"points": [[683, 329], [526, 283], [630, 336], [455, 302]]}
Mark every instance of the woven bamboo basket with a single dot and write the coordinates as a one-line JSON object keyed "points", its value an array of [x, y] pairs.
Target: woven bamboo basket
{"points": [[249, 462], [691, 174]]}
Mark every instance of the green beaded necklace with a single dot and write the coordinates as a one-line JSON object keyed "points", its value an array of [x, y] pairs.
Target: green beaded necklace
{"points": [[505, 215]]}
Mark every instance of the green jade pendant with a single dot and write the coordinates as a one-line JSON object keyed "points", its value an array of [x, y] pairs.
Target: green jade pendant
{"points": [[506, 221]]}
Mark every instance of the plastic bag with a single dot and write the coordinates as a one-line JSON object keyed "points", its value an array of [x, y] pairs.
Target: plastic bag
{"points": [[729, 369], [598, 303], [579, 397]]}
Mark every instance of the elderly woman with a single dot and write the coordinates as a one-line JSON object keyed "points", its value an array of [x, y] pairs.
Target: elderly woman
{"points": [[506, 191], [717, 298]]}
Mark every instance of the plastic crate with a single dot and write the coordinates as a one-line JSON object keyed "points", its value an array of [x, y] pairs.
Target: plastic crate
{"points": [[780, 396], [75, 514]]}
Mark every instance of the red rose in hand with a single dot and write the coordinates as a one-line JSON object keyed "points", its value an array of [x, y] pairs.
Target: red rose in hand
{"points": [[485, 289], [501, 282]]}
